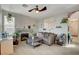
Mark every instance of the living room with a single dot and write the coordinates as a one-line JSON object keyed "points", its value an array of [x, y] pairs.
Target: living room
{"points": [[21, 24]]}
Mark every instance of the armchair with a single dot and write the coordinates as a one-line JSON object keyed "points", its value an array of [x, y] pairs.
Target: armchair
{"points": [[48, 38], [33, 41], [61, 39]]}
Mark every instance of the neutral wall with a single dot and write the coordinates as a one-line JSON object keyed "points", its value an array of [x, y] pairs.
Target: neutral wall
{"points": [[0, 21], [73, 17], [22, 21], [0, 27], [55, 21], [73, 29]]}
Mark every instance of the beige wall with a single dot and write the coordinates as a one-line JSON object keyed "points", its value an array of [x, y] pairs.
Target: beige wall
{"points": [[0, 26], [51, 23], [22, 21], [0, 19], [74, 23], [73, 27]]}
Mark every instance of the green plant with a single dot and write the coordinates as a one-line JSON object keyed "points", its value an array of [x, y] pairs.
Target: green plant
{"points": [[16, 34], [64, 20]]}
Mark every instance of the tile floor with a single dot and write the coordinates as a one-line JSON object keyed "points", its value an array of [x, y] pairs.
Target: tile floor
{"points": [[25, 49]]}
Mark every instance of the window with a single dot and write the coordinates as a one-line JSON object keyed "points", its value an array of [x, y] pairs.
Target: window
{"points": [[9, 26]]}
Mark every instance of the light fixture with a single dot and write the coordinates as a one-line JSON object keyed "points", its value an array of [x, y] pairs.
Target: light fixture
{"points": [[37, 11], [9, 17]]}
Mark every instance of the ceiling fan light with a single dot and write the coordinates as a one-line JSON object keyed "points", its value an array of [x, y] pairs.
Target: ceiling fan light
{"points": [[37, 11]]}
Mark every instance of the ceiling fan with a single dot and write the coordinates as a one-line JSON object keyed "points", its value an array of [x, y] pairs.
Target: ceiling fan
{"points": [[37, 10]]}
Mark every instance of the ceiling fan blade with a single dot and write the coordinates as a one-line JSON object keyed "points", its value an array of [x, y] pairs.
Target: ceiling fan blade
{"points": [[45, 8], [30, 10]]}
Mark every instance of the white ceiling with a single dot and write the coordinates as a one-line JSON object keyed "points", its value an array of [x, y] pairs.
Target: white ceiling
{"points": [[52, 9]]}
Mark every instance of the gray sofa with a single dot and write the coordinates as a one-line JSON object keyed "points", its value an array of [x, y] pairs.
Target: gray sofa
{"points": [[48, 38], [33, 41]]}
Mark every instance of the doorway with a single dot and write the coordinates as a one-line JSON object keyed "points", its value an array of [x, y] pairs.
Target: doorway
{"points": [[73, 28]]}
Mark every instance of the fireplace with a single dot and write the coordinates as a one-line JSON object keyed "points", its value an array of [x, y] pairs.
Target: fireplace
{"points": [[24, 36]]}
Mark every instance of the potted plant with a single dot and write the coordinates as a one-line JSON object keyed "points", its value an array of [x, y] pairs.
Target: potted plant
{"points": [[16, 34], [15, 38]]}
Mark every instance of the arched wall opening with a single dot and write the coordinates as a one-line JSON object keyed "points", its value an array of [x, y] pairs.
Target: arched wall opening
{"points": [[73, 23]]}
